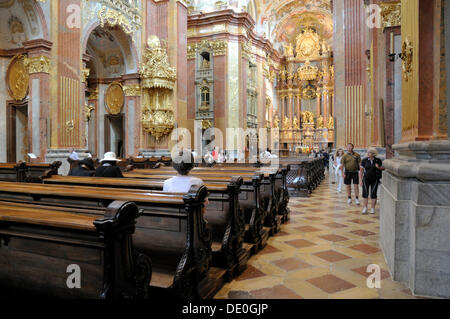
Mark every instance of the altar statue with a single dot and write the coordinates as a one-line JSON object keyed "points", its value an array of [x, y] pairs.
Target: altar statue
{"points": [[320, 122], [296, 124], [286, 123], [276, 122], [289, 50], [330, 123]]}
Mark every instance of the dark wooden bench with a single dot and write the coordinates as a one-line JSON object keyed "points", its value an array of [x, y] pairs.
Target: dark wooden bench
{"points": [[223, 214], [13, 172], [249, 201], [305, 175], [274, 194], [170, 230], [39, 243], [35, 172]]}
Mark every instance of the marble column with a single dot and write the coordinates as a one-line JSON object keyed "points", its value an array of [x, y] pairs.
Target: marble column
{"points": [[39, 59], [132, 110], [325, 106], [447, 57], [319, 107], [290, 107]]}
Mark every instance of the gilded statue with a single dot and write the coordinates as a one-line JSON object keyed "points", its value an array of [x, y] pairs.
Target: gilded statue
{"points": [[289, 50], [330, 123], [286, 123], [283, 75], [320, 122], [296, 124], [276, 122], [205, 64], [307, 117]]}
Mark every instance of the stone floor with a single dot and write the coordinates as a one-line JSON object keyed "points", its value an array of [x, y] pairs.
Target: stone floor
{"points": [[323, 252]]}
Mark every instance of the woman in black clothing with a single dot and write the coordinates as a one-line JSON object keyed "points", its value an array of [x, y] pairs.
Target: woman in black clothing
{"points": [[109, 167], [85, 168], [370, 175]]}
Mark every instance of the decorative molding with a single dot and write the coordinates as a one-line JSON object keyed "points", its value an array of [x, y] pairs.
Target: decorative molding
{"points": [[391, 14], [114, 98], [407, 59], [85, 74], [125, 17], [218, 47], [38, 64], [17, 78]]}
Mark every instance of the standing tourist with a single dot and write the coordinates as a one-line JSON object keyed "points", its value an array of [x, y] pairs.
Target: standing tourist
{"points": [[350, 170], [337, 165], [370, 175]]}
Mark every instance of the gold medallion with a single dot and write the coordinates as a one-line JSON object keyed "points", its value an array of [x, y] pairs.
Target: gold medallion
{"points": [[17, 78], [114, 98]]}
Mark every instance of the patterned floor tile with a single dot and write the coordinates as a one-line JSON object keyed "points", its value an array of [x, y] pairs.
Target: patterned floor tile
{"points": [[289, 264], [276, 292], [323, 252], [331, 256], [330, 283]]}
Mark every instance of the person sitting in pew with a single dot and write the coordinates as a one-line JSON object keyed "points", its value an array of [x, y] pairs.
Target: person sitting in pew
{"points": [[85, 168], [109, 166], [182, 183]]}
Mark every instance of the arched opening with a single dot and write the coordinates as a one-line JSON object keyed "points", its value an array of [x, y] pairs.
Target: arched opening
{"points": [[109, 57], [19, 22]]}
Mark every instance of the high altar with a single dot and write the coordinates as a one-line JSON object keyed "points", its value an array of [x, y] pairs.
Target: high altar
{"points": [[305, 91]]}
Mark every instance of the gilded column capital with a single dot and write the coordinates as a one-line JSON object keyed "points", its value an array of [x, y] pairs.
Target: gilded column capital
{"points": [[38, 64], [219, 47], [132, 90], [391, 13]]}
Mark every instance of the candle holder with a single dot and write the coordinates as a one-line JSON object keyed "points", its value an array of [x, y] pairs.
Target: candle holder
{"points": [[395, 56]]}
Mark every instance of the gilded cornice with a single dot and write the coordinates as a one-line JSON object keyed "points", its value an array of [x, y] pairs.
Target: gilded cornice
{"points": [[38, 64], [218, 47]]}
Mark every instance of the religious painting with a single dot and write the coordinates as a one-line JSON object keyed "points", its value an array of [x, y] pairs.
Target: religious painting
{"points": [[114, 98], [17, 78]]}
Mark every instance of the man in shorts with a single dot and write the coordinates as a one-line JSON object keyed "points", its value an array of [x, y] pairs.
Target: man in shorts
{"points": [[350, 165]]}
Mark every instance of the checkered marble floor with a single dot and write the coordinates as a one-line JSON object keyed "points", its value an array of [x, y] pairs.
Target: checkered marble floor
{"points": [[322, 252]]}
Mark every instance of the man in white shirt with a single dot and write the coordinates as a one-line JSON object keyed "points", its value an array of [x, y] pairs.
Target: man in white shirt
{"points": [[182, 183]]}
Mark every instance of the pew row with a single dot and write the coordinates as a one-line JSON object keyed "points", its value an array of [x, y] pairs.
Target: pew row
{"points": [[274, 193], [170, 230], [249, 202], [223, 214], [27, 172], [304, 176], [40, 246]]}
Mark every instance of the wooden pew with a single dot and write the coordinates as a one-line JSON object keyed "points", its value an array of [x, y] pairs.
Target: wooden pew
{"points": [[13, 172], [35, 172], [38, 243], [249, 201], [274, 194], [305, 175], [223, 214], [171, 230]]}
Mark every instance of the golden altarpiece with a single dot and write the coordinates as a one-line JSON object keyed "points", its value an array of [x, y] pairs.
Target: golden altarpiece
{"points": [[305, 90]]}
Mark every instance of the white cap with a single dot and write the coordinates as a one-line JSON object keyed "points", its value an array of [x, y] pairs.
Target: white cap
{"points": [[110, 156]]}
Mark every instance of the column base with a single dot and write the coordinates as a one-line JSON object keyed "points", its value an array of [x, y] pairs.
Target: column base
{"points": [[415, 217]]}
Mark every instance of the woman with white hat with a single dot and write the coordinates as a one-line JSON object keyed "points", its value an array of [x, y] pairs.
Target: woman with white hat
{"points": [[109, 166]]}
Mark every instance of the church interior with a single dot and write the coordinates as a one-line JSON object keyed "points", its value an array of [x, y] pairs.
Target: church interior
{"points": [[238, 82]]}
